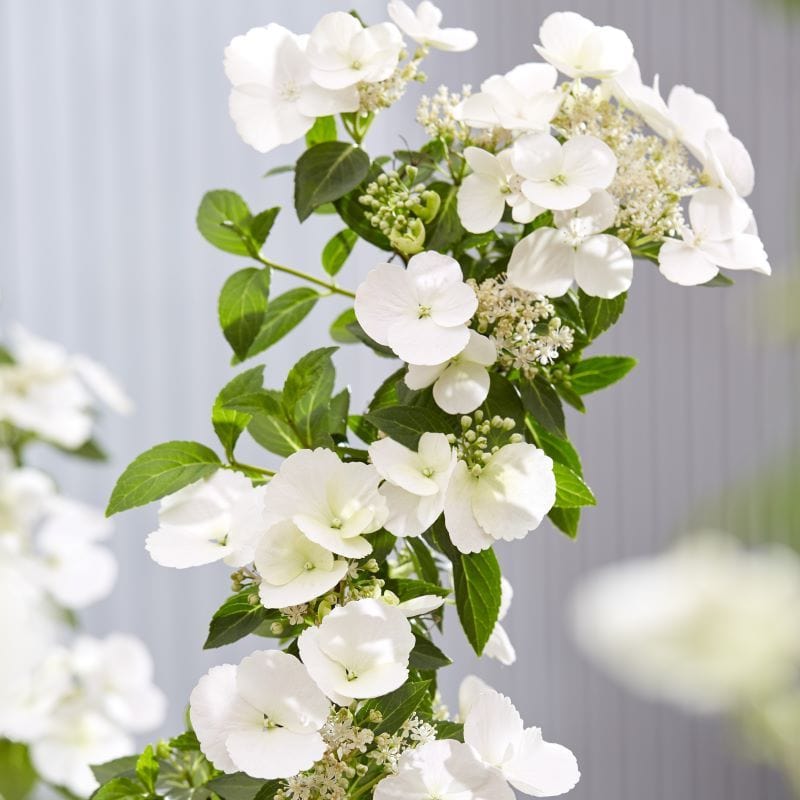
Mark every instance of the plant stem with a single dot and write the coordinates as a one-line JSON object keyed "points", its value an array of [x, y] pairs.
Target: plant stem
{"points": [[332, 288], [239, 466]]}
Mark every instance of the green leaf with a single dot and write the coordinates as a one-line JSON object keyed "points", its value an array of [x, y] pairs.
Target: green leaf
{"points": [[120, 789], [5, 356], [560, 450], [283, 314], [423, 560], [242, 307], [147, 769], [185, 742], [567, 520], [570, 396], [449, 730], [282, 170], [718, 281], [229, 424], [571, 491], [446, 229], [327, 172], [426, 656], [261, 225], [91, 451], [239, 786], [599, 314], [362, 336], [397, 706], [598, 372], [235, 618], [307, 391], [405, 424], [340, 328], [160, 471], [338, 410], [476, 582], [408, 589], [275, 433], [337, 251], [352, 214], [503, 400], [17, 775], [116, 768], [219, 212], [541, 401], [323, 130]]}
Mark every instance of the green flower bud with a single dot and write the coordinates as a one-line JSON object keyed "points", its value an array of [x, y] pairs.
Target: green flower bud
{"points": [[428, 207], [411, 240]]}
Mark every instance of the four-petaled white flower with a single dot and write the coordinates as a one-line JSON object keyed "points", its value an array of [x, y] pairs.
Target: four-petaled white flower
{"points": [[524, 99], [506, 498], [274, 100], [722, 235], [424, 27], [415, 482], [293, 569], [261, 717], [331, 502], [215, 519], [485, 192], [445, 770], [461, 383], [421, 312], [360, 650], [342, 52], [499, 645], [562, 177], [550, 259], [580, 49], [494, 731]]}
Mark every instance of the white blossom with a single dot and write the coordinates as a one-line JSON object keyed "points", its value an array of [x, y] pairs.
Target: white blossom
{"points": [[506, 498], [25, 495], [550, 259], [261, 717], [460, 384], [580, 49], [423, 604], [219, 518], [722, 234], [469, 690], [343, 52], [424, 27], [415, 482], [499, 645], [333, 503], [360, 650], [293, 569], [421, 312], [494, 730], [562, 177], [274, 100]]}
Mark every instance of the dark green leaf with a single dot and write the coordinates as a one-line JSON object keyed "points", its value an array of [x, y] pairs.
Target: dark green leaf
{"points": [[220, 212], [283, 314], [426, 655], [337, 251], [118, 767], [598, 372], [423, 559], [503, 400], [340, 328], [408, 589], [449, 730], [239, 786], [405, 424], [361, 335], [229, 424], [558, 449], [571, 491], [570, 396], [446, 229], [327, 172], [242, 307], [186, 741], [382, 543], [541, 401], [599, 314], [160, 471], [397, 706], [352, 212], [323, 130], [239, 615], [567, 520], [282, 170]]}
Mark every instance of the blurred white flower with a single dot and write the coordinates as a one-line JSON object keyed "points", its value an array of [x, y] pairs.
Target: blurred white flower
{"points": [[360, 650], [25, 494], [562, 177], [460, 384], [722, 234], [499, 645], [219, 518], [293, 569], [709, 626], [333, 503], [446, 770], [494, 730], [421, 312], [580, 49], [261, 717], [274, 100], [50, 393], [548, 260], [415, 482], [505, 499], [342, 52], [424, 604], [424, 27], [524, 99]]}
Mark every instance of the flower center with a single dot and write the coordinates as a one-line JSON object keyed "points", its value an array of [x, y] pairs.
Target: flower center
{"points": [[308, 566], [289, 91], [424, 311], [268, 724], [351, 676], [356, 65], [427, 472], [336, 523], [559, 180]]}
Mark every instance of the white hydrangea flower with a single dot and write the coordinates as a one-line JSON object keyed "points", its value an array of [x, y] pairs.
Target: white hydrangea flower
{"points": [[499, 645], [293, 569], [424, 604], [704, 626], [273, 100], [415, 482], [343, 52], [333, 503], [219, 518], [25, 495], [424, 27], [524, 99], [580, 49], [261, 717], [485, 192], [460, 384], [444, 769], [506, 499], [550, 259], [421, 312], [494, 730], [360, 650], [722, 234], [469, 690], [562, 177]]}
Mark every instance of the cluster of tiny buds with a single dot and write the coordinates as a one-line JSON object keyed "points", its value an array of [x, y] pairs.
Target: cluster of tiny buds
{"points": [[243, 578], [478, 441]]}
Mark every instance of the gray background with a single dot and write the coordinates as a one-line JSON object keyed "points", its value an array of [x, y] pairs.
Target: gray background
{"points": [[114, 122]]}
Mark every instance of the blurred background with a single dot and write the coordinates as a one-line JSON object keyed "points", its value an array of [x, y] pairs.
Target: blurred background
{"points": [[114, 123]]}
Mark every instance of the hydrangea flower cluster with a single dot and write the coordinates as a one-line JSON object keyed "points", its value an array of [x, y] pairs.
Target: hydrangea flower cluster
{"points": [[348, 548]]}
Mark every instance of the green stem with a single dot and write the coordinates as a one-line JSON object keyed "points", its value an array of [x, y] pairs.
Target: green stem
{"points": [[241, 467], [332, 288], [367, 786]]}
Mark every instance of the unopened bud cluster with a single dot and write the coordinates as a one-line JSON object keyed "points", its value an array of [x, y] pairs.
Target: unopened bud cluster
{"points": [[481, 438], [374, 97]]}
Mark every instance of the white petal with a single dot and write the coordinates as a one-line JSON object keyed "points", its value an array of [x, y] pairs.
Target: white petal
{"points": [[493, 728], [421, 376], [304, 588], [462, 387], [603, 266], [500, 647], [323, 534], [729, 162], [478, 111], [532, 79], [402, 467], [716, 215], [561, 35], [542, 769], [597, 214], [482, 162], [247, 526], [314, 101], [537, 157], [103, 384], [694, 115], [542, 262], [481, 203], [263, 120], [423, 341], [410, 514], [470, 689], [589, 162], [274, 753], [424, 604], [82, 577], [465, 532], [684, 264], [440, 286], [385, 297], [558, 197], [745, 251], [326, 673], [480, 350], [180, 548]]}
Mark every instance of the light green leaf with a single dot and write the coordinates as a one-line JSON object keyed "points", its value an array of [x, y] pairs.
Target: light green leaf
{"points": [[307, 392], [340, 328], [242, 308], [261, 225], [120, 789], [337, 251], [323, 130], [283, 314], [239, 786], [116, 768], [560, 450], [229, 424], [17, 775], [274, 433], [598, 372], [147, 769], [220, 212], [571, 491]]}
